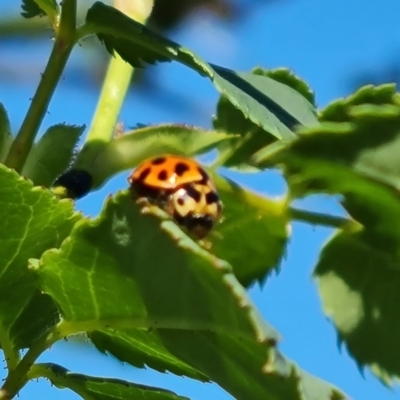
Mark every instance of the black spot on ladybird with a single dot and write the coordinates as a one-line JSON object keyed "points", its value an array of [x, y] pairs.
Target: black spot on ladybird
{"points": [[212, 197], [181, 168], [159, 160], [162, 175], [204, 175], [193, 193], [180, 201], [144, 174]]}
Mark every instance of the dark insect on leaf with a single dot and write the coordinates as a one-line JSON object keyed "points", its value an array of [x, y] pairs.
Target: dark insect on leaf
{"points": [[31, 9], [77, 183]]}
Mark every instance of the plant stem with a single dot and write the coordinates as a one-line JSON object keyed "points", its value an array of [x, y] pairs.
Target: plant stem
{"points": [[62, 48], [11, 354], [116, 84], [115, 87], [314, 218], [17, 378]]}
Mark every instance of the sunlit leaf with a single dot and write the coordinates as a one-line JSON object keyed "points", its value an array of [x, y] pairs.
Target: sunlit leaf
{"points": [[126, 271], [287, 77], [251, 137], [33, 221]]}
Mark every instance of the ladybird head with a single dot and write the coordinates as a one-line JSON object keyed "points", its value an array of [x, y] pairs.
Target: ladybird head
{"points": [[197, 207]]}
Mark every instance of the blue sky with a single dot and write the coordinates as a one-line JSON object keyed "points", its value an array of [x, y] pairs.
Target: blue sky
{"points": [[325, 43]]}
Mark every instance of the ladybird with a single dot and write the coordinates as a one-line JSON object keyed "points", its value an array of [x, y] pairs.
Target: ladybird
{"points": [[182, 188]]}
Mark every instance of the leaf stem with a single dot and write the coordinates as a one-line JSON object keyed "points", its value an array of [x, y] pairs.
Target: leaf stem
{"points": [[11, 355], [315, 218], [65, 40]]}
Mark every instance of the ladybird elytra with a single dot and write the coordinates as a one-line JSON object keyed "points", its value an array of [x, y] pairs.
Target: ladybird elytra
{"points": [[182, 188]]}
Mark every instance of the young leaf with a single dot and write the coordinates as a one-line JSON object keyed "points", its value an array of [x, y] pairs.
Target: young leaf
{"points": [[275, 107], [127, 271], [52, 154], [90, 387], [33, 221], [128, 150], [5, 133]]}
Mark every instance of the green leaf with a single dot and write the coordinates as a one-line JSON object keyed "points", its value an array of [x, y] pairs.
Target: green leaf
{"points": [[359, 287], [346, 142], [274, 106], [90, 387], [130, 149], [52, 154], [348, 135], [353, 154], [287, 77], [34, 8], [5, 133], [128, 271], [140, 349], [109, 23], [238, 152], [33, 221], [252, 260]]}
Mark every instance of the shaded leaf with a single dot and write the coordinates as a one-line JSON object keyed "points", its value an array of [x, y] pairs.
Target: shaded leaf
{"points": [[5, 133], [353, 154], [267, 220], [108, 22], [249, 138], [140, 349], [359, 287], [170, 288], [52, 154], [90, 387], [33, 221]]}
